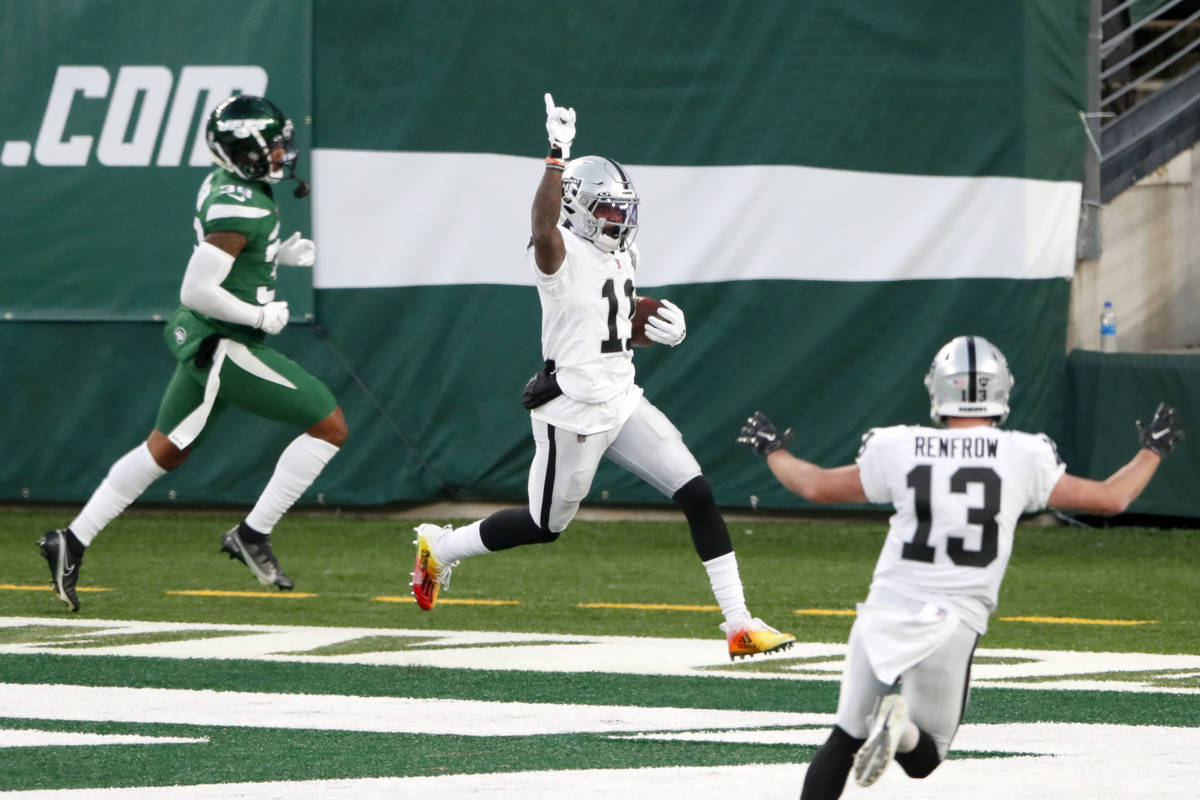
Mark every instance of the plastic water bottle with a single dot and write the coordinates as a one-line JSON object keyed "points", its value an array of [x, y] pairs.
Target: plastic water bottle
{"points": [[1108, 328]]}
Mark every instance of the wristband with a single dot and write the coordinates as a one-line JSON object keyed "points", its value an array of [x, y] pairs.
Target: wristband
{"points": [[555, 163]]}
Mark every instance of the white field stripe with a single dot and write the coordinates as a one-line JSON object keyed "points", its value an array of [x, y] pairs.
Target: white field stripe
{"points": [[548, 652], [412, 219], [1086, 762], [375, 714], [29, 737]]}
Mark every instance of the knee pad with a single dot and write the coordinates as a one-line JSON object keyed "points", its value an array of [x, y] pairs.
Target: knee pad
{"points": [[694, 496]]}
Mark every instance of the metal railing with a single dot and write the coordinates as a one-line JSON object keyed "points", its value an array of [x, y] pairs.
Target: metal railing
{"points": [[1144, 96], [1132, 57]]}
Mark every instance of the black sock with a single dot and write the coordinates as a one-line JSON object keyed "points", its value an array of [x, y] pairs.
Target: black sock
{"points": [[826, 776], [512, 527], [922, 759], [710, 537], [250, 535], [74, 546]]}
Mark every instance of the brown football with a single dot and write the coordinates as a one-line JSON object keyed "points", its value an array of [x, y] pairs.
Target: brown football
{"points": [[645, 308]]}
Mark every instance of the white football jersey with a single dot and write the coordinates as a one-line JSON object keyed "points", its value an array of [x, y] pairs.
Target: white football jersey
{"points": [[587, 330], [958, 495]]}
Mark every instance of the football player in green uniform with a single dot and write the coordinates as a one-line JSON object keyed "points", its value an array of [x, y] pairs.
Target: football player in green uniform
{"points": [[218, 337]]}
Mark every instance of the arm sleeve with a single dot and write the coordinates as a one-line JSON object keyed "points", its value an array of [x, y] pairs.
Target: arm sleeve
{"points": [[202, 291]]}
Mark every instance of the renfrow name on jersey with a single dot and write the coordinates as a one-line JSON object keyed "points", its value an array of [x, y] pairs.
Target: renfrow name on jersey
{"points": [[955, 447]]}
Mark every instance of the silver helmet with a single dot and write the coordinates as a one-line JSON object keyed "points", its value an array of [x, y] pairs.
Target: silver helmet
{"points": [[596, 183], [969, 377]]}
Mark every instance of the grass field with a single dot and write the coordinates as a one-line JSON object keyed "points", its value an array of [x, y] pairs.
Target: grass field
{"points": [[531, 662]]}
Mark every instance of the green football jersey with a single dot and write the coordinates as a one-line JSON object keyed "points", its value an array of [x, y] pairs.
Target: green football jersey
{"points": [[229, 204]]}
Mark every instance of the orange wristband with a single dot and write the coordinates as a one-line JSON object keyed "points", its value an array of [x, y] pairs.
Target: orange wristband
{"points": [[555, 163]]}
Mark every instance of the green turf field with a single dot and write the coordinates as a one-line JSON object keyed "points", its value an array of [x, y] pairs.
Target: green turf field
{"points": [[349, 562], [530, 669]]}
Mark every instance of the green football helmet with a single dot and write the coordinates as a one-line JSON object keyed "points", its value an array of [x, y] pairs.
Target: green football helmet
{"points": [[243, 130]]}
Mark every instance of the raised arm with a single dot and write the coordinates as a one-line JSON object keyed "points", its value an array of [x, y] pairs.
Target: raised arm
{"points": [[1114, 494], [548, 248], [817, 484]]}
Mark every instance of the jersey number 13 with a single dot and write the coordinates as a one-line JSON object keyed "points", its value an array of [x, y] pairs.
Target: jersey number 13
{"points": [[920, 479]]}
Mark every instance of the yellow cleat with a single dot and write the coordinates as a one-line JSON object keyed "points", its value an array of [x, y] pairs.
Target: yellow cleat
{"points": [[428, 575], [755, 637]]}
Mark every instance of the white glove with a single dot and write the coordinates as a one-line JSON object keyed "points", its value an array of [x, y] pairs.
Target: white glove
{"points": [[274, 316], [296, 252], [560, 126], [667, 325]]}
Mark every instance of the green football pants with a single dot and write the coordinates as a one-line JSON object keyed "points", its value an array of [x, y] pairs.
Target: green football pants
{"points": [[253, 377]]}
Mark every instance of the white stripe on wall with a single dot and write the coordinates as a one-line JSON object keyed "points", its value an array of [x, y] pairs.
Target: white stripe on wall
{"points": [[414, 219]]}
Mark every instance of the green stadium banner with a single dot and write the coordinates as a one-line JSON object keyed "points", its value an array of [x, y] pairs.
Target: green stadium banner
{"points": [[830, 190], [102, 148]]}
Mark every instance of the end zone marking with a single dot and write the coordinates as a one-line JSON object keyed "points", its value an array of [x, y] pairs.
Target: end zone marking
{"points": [[232, 593], [447, 601], [17, 587]]}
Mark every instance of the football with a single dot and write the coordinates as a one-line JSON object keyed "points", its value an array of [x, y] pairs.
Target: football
{"points": [[645, 308]]}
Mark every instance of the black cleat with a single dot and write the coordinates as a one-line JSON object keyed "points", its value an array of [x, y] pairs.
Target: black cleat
{"points": [[254, 550], [64, 553]]}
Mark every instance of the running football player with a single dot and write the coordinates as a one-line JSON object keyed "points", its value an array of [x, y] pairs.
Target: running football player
{"points": [[218, 336], [585, 405]]}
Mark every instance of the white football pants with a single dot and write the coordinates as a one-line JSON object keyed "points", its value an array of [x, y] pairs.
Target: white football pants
{"points": [[936, 688], [647, 444]]}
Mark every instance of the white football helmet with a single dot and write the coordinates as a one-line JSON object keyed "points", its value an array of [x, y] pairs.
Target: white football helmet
{"points": [[591, 183], [969, 377]]}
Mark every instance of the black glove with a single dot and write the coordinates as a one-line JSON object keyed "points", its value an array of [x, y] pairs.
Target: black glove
{"points": [[1163, 432], [759, 433]]}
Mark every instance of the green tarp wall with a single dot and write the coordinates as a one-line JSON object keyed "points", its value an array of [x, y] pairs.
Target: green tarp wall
{"points": [[830, 190]]}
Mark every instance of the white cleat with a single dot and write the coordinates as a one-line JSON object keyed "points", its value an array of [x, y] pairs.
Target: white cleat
{"points": [[880, 747]]}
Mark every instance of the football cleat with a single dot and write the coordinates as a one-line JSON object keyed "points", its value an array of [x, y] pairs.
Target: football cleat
{"points": [[879, 749], [429, 577], [254, 550], [754, 637], [64, 563]]}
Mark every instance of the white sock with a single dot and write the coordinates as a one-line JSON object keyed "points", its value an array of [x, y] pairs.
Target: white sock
{"points": [[909, 738], [298, 466], [460, 543], [128, 477], [727, 588]]}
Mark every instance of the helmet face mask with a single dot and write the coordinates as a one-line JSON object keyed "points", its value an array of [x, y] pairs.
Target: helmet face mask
{"points": [[599, 202], [243, 132], [969, 377]]}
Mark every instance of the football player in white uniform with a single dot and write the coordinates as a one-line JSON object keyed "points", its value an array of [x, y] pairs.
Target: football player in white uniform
{"points": [[958, 491], [585, 405]]}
